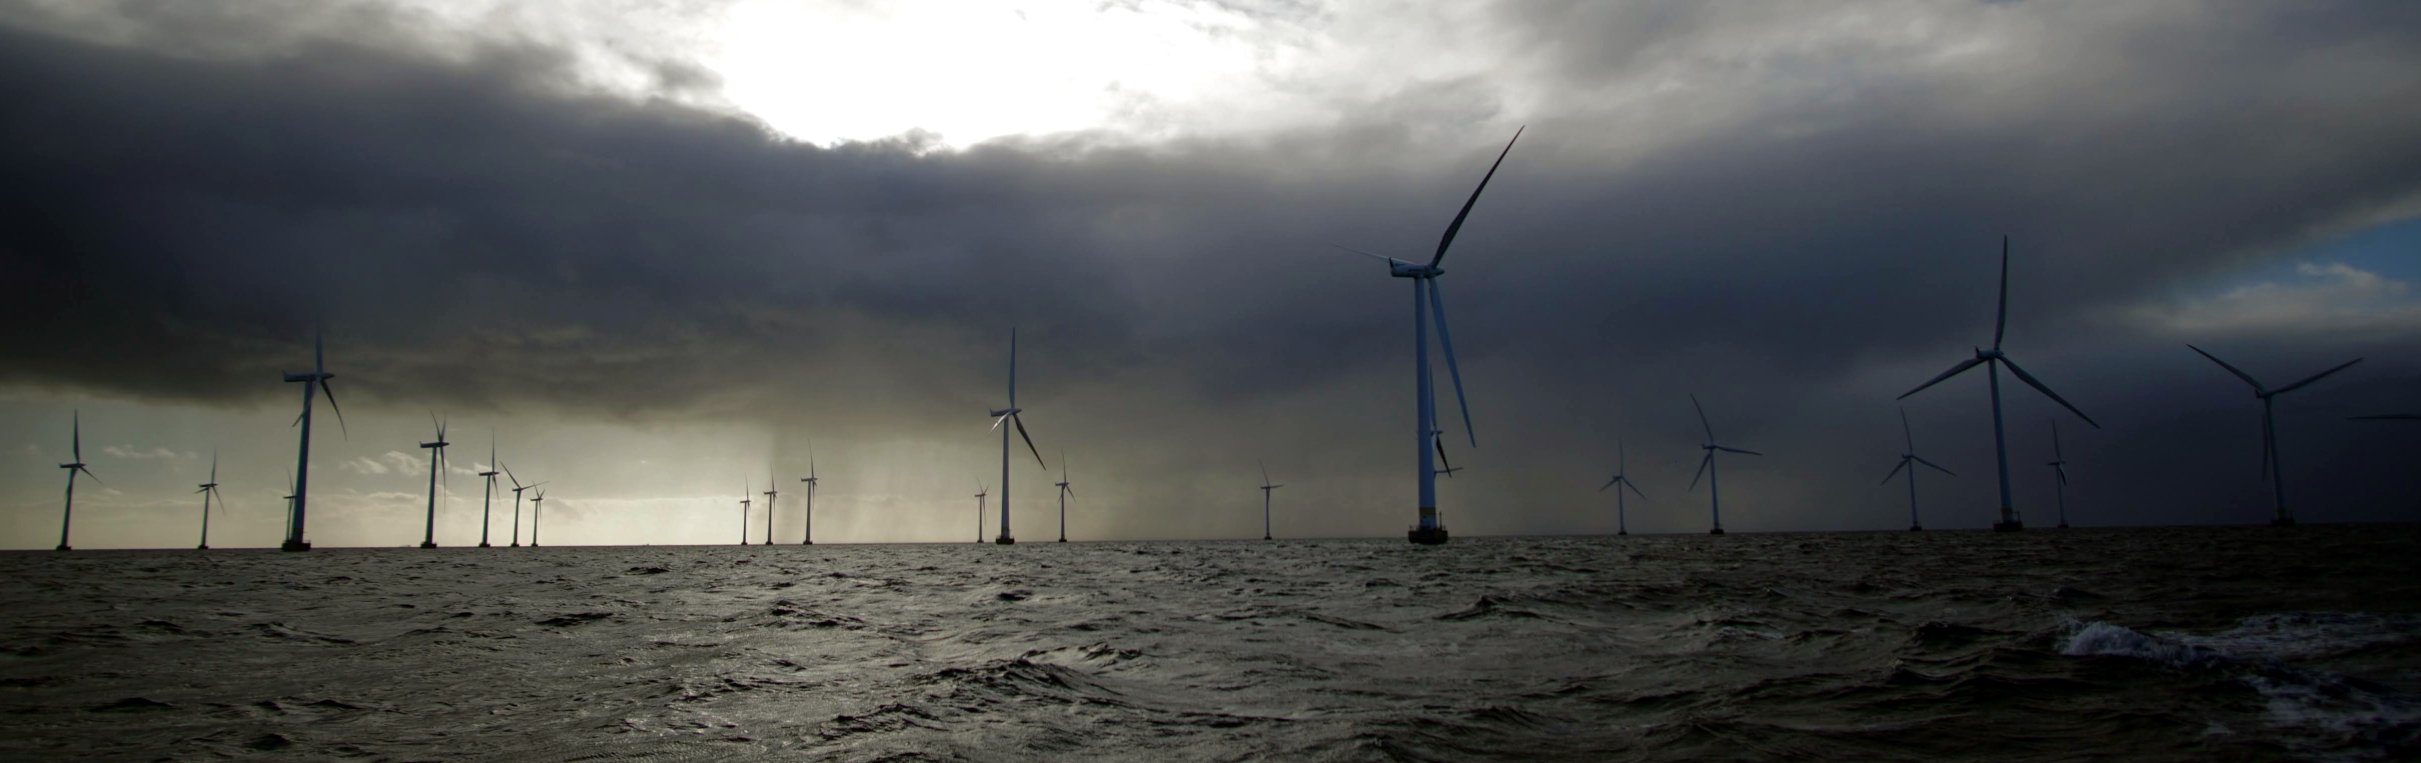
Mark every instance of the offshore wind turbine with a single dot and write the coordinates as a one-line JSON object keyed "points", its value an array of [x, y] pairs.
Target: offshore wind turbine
{"points": [[1064, 492], [76, 455], [314, 381], [437, 461], [1706, 467], [537, 511], [490, 498], [2059, 470], [1009, 415], [209, 490], [745, 501], [773, 494], [981, 490], [517, 488], [1428, 300], [807, 536], [1992, 360], [1909, 461], [2269, 429], [1266, 487], [1620, 482]]}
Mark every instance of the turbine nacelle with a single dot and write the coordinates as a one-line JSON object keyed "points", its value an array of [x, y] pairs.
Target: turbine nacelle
{"points": [[1991, 354], [1401, 269]]}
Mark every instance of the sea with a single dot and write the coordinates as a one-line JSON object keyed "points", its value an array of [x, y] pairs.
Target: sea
{"points": [[2138, 644]]}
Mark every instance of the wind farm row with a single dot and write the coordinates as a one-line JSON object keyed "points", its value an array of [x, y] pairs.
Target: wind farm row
{"points": [[1428, 304]]}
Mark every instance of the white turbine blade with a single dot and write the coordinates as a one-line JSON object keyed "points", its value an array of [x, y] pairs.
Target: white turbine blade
{"points": [[1274, 487], [997, 422], [1710, 458], [1895, 471], [2248, 378], [2030, 381], [1737, 450], [1437, 306], [1264, 472], [2000, 321], [1936, 467], [214, 466], [1710, 428], [2300, 384], [1954, 371], [1457, 226], [1390, 260]]}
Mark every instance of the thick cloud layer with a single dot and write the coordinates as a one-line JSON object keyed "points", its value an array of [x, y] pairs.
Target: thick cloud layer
{"points": [[1794, 213]]}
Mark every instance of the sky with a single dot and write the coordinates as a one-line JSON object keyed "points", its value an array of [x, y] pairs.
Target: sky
{"points": [[658, 253]]}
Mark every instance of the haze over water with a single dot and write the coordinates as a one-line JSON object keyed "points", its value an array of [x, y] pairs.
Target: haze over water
{"points": [[2161, 644]]}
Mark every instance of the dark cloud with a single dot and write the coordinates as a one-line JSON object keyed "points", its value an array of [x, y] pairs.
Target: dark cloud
{"points": [[1797, 231]]}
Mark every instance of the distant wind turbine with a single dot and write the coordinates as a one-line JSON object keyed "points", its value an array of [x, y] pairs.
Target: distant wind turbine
{"points": [[314, 381], [1992, 360], [76, 454], [773, 496], [1064, 492], [981, 490], [1010, 415], [807, 536], [1266, 487], [210, 490], [1620, 482], [2269, 429], [1907, 458], [745, 501], [537, 512], [517, 488], [437, 466], [490, 498], [1428, 300], [1706, 467], [2059, 470]]}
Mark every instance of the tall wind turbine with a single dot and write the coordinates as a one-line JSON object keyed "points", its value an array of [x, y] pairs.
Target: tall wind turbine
{"points": [[2269, 429], [807, 536], [981, 490], [210, 490], [76, 454], [1427, 301], [1992, 360], [2059, 470], [490, 498], [517, 488], [1909, 460], [1706, 467], [1009, 415], [745, 501], [537, 512], [1266, 487], [1620, 482], [773, 496], [314, 381], [1064, 492], [437, 465]]}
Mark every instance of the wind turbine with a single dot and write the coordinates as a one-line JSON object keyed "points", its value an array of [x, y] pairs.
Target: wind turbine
{"points": [[490, 498], [2269, 428], [1428, 300], [1064, 492], [1908, 460], [2059, 469], [1266, 487], [209, 490], [517, 488], [537, 511], [807, 536], [745, 501], [1992, 360], [981, 490], [1620, 482], [76, 454], [1706, 467], [773, 495], [1009, 414], [437, 461], [314, 381]]}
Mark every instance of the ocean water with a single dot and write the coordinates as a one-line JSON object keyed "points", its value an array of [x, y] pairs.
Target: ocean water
{"points": [[2153, 644]]}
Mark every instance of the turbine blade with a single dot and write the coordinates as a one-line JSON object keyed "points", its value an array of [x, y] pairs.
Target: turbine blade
{"points": [[1634, 489], [1437, 306], [1710, 458], [76, 432], [997, 422], [1457, 225], [340, 410], [2296, 385], [2000, 323], [1710, 428], [1936, 467], [1954, 371], [214, 466], [1895, 471], [2062, 471], [1021, 432], [1609, 483], [1264, 472], [2248, 378], [1906, 432], [2038, 387], [1440, 442], [88, 473], [1739, 451], [1390, 260], [2055, 440]]}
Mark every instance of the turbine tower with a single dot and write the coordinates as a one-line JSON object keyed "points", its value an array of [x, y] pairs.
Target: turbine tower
{"points": [[1427, 301], [773, 495], [1992, 360], [209, 490], [745, 501], [537, 512], [1266, 487], [517, 488], [1909, 461], [807, 536], [437, 461], [1009, 415], [314, 381], [2269, 429], [2059, 470], [490, 499], [75, 454], [1622, 481], [1064, 492], [1706, 467], [981, 490]]}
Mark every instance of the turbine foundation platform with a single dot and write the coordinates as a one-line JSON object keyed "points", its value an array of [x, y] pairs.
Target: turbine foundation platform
{"points": [[1916, 528], [484, 544], [295, 545], [428, 544], [1716, 531], [1434, 536], [1622, 532], [2008, 527], [2063, 526], [203, 547], [1004, 541], [64, 547], [2283, 522]]}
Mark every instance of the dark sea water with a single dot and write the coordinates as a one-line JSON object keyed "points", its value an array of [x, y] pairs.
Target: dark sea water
{"points": [[2178, 644]]}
